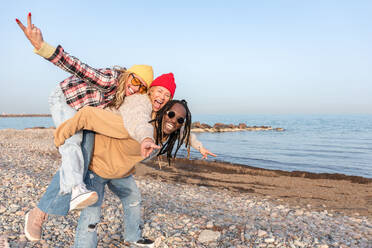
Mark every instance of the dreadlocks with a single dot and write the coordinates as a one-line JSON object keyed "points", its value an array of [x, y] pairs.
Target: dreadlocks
{"points": [[182, 135]]}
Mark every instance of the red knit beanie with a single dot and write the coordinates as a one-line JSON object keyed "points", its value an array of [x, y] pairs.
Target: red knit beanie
{"points": [[167, 81]]}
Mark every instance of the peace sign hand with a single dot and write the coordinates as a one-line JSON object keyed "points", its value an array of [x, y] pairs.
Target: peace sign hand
{"points": [[32, 32]]}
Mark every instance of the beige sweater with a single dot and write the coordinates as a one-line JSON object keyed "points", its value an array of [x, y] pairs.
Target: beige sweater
{"points": [[136, 113]]}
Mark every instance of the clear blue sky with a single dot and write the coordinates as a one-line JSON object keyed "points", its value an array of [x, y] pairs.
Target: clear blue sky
{"points": [[238, 57]]}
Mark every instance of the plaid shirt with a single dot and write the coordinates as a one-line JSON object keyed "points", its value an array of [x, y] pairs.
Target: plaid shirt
{"points": [[87, 86]]}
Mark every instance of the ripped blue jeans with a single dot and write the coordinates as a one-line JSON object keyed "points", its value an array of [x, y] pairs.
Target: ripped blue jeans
{"points": [[130, 197]]}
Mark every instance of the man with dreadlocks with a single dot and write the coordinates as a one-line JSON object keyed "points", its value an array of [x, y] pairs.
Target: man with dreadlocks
{"points": [[172, 125], [168, 132]]}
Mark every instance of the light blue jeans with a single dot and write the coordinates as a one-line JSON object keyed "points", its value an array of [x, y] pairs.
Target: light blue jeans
{"points": [[127, 191], [72, 167], [54, 203], [125, 188]]}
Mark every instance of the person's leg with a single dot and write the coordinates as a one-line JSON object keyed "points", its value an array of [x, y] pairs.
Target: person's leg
{"points": [[87, 147], [52, 202], [126, 189], [86, 233], [72, 167]]}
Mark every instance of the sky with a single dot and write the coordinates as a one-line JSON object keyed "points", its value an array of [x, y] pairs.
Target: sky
{"points": [[228, 57]]}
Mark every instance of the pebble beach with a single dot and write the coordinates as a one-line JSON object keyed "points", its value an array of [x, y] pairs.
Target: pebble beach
{"points": [[209, 209]]}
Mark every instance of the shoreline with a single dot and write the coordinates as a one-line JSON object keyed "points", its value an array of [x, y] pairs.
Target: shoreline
{"points": [[296, 173]]}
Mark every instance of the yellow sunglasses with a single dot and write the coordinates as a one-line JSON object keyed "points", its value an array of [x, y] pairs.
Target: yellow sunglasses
{"points": [[136, 82]]}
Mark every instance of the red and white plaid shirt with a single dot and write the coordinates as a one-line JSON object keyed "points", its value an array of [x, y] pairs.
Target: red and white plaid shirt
{"points": [[87, 86]]}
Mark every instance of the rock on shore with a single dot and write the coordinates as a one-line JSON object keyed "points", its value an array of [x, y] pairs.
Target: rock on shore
{"points": [[198, 127], [176, 214]]}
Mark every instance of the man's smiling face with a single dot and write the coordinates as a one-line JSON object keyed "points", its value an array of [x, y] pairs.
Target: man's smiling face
{"points": [[174, 118]]}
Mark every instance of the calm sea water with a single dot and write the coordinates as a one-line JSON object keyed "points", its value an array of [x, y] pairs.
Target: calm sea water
{"points": [[313, 143]]}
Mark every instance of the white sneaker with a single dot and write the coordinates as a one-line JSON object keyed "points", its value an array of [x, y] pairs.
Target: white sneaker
{"points": [[144, 242], [81, 197]]}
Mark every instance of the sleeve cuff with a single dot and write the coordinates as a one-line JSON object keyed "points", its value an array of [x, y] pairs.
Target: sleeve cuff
{"points": [[149, 138], [45, 50]]}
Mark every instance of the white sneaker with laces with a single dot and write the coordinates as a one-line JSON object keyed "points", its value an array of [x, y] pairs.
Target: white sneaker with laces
{"points": [[81, 197]]}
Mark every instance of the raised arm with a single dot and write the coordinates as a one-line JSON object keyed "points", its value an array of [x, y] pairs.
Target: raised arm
{"points": [[104, 80], [203, 151], [91, 118], [197, 145]]}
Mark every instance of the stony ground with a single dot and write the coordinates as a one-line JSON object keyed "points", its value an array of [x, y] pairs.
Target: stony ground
{"points": [[175, 214]]}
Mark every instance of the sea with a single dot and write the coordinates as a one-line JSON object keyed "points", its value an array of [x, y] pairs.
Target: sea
{"points": [[312, 143]]}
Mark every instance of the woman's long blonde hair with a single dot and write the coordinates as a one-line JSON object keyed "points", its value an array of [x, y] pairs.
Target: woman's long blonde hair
{"points": [[120, 93]]}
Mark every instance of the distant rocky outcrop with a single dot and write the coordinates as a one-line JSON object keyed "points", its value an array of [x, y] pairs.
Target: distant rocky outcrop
{"points": [[198, 127]]}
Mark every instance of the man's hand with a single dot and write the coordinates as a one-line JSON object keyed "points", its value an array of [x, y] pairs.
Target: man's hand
{"points": [[147, 146], [205, 152], [32, 33]]}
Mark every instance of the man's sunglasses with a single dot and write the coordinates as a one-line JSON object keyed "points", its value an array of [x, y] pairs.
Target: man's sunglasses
{"points": [[136, 82], [171, 115]]}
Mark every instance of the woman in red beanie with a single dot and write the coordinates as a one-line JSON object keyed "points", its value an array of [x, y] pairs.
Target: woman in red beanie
{"points": [[162, 90]]}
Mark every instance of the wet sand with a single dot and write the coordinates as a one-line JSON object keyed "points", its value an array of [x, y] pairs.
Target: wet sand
{"points": [[351, 195]]}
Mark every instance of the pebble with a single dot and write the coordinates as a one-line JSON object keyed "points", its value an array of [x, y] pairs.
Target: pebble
{"points": [[174, 214], [299, 243], [269, 240], [210, 224], [299, 212], [323, 246], [208, 236], [261, 233], [2, 209]]}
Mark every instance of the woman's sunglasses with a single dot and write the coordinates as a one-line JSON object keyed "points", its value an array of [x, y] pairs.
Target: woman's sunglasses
{"points": [[136, 82], [171, 115]]}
